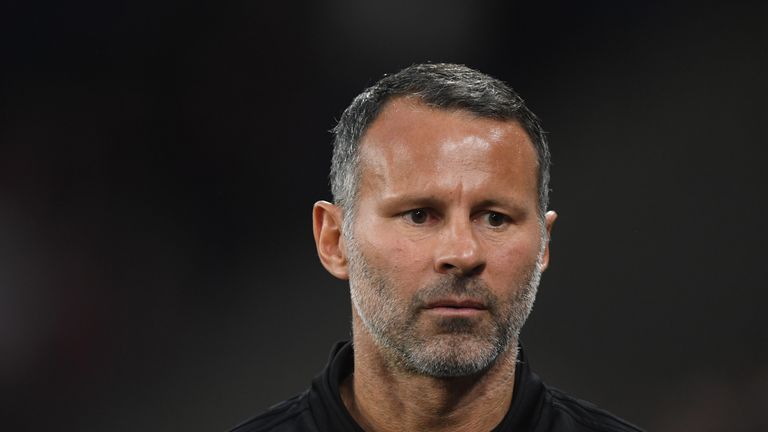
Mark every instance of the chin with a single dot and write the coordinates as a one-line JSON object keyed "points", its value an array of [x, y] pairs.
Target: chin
{"points": [[453, 355]]}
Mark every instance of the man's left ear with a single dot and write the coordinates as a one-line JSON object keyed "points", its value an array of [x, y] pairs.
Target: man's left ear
{"points": [[549, 221], [326, 226]]}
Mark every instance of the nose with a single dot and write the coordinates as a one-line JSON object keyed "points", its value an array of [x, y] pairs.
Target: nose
{"points": [[458, 252]]}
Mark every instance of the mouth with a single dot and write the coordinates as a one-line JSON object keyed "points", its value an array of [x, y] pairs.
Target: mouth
{"points": [[456, 307], [456, 304]]}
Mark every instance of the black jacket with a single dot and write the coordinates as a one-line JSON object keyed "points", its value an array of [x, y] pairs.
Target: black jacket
{"points": [[535, 407]]}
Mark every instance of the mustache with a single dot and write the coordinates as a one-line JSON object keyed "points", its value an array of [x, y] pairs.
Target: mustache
{"points": [[467, 288]]}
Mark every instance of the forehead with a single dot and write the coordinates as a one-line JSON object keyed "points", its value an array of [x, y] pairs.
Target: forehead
{"points": [[411, 145]]}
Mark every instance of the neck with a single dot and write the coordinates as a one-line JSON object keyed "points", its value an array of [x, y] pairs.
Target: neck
{"points": [[382, 397]]}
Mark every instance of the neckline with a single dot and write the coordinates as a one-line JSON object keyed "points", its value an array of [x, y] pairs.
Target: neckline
{"points": [[331, 414]]}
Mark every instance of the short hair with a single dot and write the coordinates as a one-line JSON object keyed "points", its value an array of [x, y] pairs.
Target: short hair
{"points": [[442, 86]]}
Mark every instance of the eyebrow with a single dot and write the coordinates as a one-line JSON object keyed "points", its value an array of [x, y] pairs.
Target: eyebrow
{"points": [[416, 200], [411, 200], [513, 207]]}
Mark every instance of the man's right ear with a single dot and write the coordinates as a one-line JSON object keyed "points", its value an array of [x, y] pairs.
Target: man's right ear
{"points": [[326, 226]]}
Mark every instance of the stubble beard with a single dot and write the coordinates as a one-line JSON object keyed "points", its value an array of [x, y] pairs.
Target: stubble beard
{"points": [[453, 347]]}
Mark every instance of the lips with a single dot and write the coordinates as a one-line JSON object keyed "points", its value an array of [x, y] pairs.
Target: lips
{"points": [[456, 304]]}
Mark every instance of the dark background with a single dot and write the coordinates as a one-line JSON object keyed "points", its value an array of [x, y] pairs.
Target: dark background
{"points": [[159, 161]]}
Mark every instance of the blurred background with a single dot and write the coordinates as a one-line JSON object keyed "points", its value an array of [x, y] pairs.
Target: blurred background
{"points": [[159, 161]]}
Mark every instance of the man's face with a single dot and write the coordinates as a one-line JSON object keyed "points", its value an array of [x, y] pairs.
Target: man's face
{"points": [[447, 249]]}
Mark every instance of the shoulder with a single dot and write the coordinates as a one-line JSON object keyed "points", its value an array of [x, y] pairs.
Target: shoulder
{"points": [[290, 415], [581, 415]]}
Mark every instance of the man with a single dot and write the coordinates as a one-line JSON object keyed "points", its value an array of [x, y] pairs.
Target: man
{"points": [[440, 180]]}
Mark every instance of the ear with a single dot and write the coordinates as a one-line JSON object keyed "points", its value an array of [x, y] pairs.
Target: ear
{"points": [[326, 225], [549, 220]]}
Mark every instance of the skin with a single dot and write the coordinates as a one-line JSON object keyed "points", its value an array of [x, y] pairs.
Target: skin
{"points": [[442, 193]]}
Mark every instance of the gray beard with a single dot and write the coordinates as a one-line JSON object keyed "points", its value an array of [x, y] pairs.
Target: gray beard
{"points": [[461, 347]]}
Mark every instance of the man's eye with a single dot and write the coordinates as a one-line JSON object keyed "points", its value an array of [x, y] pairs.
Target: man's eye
{"points": [[418, 216], [495, 219]]}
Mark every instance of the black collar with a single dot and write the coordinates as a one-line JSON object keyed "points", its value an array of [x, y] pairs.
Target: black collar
{"points": [[331, 414]]}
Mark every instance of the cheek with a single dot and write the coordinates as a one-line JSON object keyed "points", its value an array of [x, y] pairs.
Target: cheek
{"points": [[402, 259], [515, 261], [399, 254]]}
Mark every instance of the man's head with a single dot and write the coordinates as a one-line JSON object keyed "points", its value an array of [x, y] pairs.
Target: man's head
{"points": [[439, 223], [441, 86]]}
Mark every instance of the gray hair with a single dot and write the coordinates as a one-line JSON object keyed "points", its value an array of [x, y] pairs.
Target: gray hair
{"points": [[442, 86]]}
